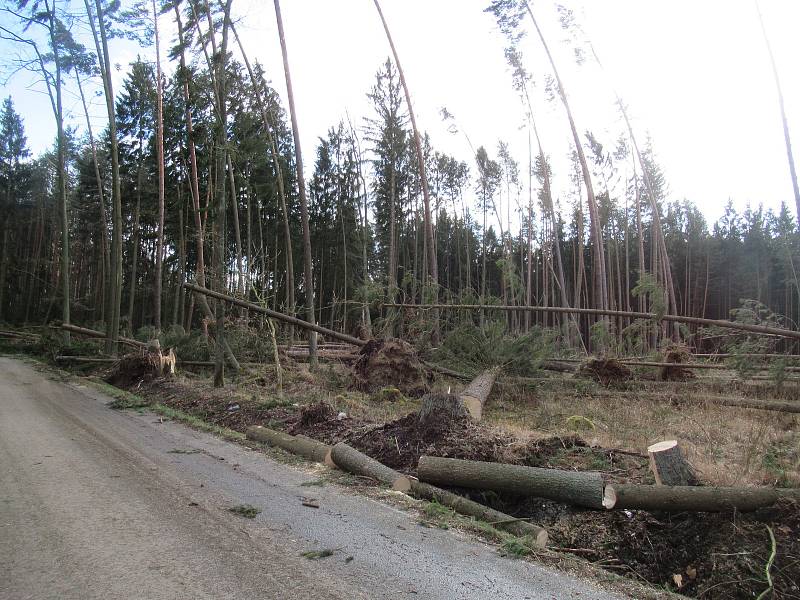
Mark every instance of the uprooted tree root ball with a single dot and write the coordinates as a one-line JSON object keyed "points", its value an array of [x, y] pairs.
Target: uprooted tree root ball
{"points": [[143, 365], [391, 362], [605, 370], [675, 353]]}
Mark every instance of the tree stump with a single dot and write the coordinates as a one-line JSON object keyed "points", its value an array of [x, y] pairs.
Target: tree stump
{"points": [[669, 465], [438, 408]]}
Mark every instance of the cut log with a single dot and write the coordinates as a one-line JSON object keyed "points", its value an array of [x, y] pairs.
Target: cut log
{"points": [[694, 498], [296, 444], [351, 460], [475, 394], [469, 508], [581, 489], [669, 465], [438, 408]]}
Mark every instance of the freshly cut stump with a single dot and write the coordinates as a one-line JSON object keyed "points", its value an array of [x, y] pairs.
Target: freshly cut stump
{"points": [[694, 498], [669, 465], [351, 460], [296, 444], [464, 506], [581, 489]]}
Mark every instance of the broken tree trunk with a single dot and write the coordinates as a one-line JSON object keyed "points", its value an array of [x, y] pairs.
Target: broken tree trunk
{"points": [[296, 444], [669, 465], [99, 334], [276, 315], [470, 508], [580, 489], [142, 365], [694, 498], [762, 329], [351, 460], [476, 393]]}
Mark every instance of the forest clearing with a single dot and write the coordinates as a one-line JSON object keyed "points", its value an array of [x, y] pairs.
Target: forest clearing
{"points": [[536, 338]]}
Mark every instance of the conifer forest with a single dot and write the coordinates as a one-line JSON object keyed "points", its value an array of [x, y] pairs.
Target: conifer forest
{"points": [[511, 310]]}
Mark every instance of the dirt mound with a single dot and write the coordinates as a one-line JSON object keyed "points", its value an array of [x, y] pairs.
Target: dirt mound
{"points": [[675, 353], [391, 362], [605, 370], [136, 367], [311, 414]]}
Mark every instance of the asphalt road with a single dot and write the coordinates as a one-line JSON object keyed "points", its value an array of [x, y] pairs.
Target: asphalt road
{"points": [[98, 503]]}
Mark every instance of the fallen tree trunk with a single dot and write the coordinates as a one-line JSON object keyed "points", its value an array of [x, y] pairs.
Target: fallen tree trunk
{"points": [[694, 498], [470, 508], [476, 393], [351, 460], [762, 329], [581, 489], [276, 315], [296, 444], [776, 405], [99, 334], [669, 465]]}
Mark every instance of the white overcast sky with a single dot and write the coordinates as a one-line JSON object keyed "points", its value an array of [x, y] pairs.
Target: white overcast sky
{"points": [[694, 73]]}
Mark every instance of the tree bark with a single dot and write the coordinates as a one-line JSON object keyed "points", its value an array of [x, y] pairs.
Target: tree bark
{"points": [[472, 509], [308, 284], [695, 498], [789, 154], [669, 465], [581, 489], [477, 392], [157, 279], [428, 225], [296, 444], [351, 460], [762, 329]]}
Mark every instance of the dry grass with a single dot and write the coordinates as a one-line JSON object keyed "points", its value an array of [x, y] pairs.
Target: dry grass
{"points": [[727, 445]]}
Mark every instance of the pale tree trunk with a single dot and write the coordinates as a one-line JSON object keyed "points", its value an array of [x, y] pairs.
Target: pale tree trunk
{"points": [[220, 60], [290, 283], [428, 225], [160, 159], [789, 155], [112, 328], [236, 228], [103, 226], [601, 288], [301, 184]]}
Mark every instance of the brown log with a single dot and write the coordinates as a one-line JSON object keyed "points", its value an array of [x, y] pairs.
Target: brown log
{"points": [[467, 507], [100, 334], [581, 489], [475, 394], [276, 315], [296, 444], [695, 498], [669, 465], [351, 460], [762, 329]]}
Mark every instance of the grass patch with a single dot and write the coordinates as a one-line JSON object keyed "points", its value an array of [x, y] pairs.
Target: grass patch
{"points": [[245, 510], [313, 483], [516, 547], [317, 554]]}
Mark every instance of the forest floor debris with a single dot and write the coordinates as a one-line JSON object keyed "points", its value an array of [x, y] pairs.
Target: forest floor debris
{"points": [[699, 555]]}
